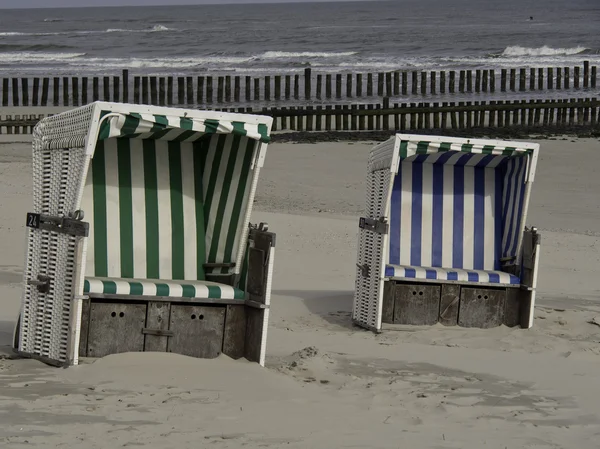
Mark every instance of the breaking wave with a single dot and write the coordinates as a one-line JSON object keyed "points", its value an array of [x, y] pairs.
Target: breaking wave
{"points": [[154, 29], [37, 57], [159, 63], [305, 54], [517, 50]]}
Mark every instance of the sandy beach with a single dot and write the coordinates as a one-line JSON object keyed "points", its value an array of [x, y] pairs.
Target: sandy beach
{"points": [[328, 384]]}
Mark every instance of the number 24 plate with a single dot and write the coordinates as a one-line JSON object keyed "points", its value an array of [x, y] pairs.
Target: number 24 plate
{"points": [[33, 220]]}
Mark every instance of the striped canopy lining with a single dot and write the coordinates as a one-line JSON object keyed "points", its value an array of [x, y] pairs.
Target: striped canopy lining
{"points": [[159, 210], [175, 128], [455, 211], [411, 148]]}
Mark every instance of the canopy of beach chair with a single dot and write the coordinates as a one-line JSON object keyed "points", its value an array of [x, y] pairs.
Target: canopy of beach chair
{"points": [[174, 128], [74, 129], [450, 151]]}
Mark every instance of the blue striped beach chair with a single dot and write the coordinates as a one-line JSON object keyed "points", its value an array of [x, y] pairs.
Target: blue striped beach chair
{"points": [[140, 237], [444, 237]]}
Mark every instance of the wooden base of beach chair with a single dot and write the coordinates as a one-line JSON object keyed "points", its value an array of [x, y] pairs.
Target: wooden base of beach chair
{"points": [[196, 327], [465, 305], [193, 328]]}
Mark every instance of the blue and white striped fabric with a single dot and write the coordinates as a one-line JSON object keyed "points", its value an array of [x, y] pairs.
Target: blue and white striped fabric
{"points": [[451, 274], [512, 204], [455, 214]]}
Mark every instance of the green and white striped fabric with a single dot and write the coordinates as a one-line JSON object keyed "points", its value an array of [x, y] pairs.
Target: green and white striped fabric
{"points": [[164, 195], [183, 129], [159, 210], [154, 287], [410, 148]]}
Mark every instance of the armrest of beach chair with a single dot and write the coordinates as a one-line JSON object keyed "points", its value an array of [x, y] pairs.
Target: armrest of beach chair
{"points": [[260, 264], [260, 257], [222, 278], [530, 257], [529, 274]]}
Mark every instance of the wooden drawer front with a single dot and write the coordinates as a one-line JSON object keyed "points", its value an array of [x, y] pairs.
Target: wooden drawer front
{"points": [[416, 304], [115, 328], [480, 307], [197, 330]]}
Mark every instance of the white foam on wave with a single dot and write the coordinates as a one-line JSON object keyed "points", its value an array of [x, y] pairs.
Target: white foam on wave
{"points": [[304, 54], [517, 50], [160, 28], [368, 65], [37, 57], [154, 29], [57, 33], [262, 70], [158, 63]]}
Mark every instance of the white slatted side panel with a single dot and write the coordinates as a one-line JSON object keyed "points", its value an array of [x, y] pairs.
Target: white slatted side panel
{"points": [[368, 289], [45, 317]]}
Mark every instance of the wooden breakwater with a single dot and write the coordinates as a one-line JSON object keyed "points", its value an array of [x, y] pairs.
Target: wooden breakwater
{"points": [[207, 90], [403, 116]]}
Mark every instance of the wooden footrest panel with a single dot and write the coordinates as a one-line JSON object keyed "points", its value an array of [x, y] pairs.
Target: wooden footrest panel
{"points": [[450, 304]]}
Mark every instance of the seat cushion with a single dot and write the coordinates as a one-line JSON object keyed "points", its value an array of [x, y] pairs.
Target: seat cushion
{"points": [[451, 274], [159, 287]]}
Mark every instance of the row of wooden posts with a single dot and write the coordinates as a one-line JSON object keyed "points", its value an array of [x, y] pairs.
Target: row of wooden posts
{"points": [[203, 90], [403, 116], [446, 115]]}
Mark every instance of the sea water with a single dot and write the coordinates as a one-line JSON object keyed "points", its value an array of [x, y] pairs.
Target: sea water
{"points": [[336, 37]]}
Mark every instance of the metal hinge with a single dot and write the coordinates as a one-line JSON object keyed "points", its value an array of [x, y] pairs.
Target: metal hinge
{"points": [[379, 226], [365, 270], [72, 225], [42, 283]]}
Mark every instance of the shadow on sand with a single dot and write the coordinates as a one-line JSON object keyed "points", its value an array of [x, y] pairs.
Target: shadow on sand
{"points": [[333, 306], [7, 329]]}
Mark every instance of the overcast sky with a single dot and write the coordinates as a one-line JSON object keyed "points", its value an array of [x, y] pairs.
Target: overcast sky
{"points": [[79, 3]]}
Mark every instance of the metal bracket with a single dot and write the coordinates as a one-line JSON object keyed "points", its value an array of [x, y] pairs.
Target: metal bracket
{"points": [[379, 226], [262, 227], [72, 225], [219, 265], [42, 283], [157, 332], [365, 269]]}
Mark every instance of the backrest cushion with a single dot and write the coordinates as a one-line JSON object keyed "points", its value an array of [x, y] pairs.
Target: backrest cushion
{"points": [[447, 214], [161, 209]]}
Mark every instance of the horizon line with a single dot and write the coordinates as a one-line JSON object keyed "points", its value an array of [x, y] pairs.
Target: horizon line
{"points": [[211, 3]]}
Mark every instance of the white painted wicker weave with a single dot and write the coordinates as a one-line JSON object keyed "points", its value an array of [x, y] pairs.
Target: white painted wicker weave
{"points": [[59, 165], [45, 318], [368, 289]]}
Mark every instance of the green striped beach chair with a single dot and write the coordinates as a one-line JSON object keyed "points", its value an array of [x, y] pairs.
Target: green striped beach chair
{"points": [[140, 237]]}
